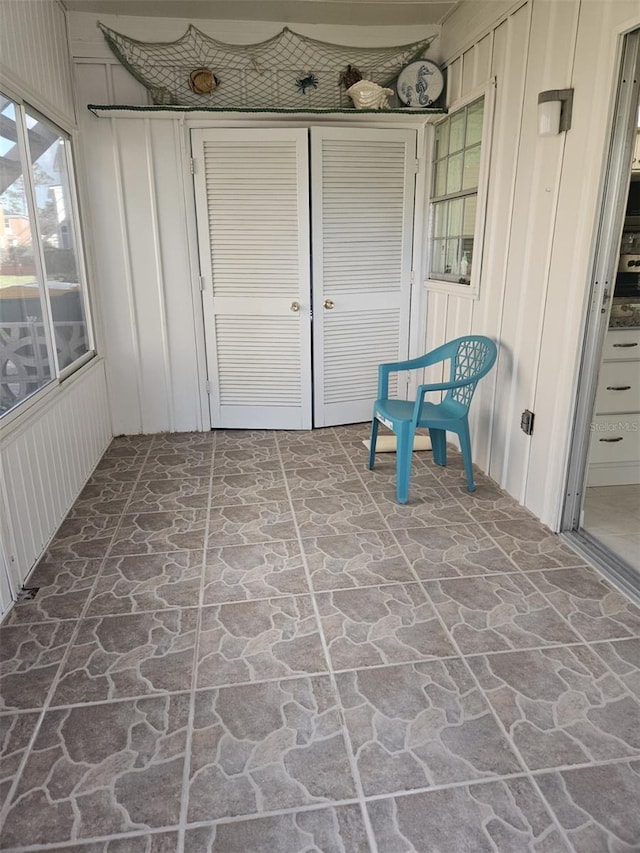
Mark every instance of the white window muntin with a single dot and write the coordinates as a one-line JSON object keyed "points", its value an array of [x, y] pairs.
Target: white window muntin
{"points": [[442, 282]]}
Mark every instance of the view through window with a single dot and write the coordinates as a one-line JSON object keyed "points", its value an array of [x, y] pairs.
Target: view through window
{"points": [[44, 329]]}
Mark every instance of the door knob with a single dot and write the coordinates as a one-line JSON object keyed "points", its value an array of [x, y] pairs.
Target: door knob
{"points": [[295, 306], [329, 303]]}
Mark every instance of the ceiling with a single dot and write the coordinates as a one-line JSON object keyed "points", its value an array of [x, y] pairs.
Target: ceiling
{"points": [[339, 12]]}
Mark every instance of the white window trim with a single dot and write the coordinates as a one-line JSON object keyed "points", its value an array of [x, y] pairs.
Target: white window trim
{"points": [[471, 290]]}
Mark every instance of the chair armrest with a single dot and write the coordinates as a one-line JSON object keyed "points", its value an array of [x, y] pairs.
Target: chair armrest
{"points": [[397, 366], [444, 386], [435, 386]]}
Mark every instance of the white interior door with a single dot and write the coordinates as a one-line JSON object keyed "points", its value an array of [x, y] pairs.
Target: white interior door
{"points": [[363, 184], [252, 206]]}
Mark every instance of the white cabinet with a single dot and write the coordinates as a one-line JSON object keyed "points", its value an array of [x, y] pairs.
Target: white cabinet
{"points": [[615, 429]]}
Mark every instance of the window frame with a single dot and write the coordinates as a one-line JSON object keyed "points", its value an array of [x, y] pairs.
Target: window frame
{"points": [[442, 285], [24, 106]]}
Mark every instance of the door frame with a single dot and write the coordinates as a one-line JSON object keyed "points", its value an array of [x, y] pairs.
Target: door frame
{"points": [[420, 124], [602, 284]]}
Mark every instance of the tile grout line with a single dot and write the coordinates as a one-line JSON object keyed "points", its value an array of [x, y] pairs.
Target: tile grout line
{"points": [[590, 643], [516, 752], [371, 798], [581, 640], [502, 727], [318, 673], [9, 802], [417, 525], [186, 771], [372, 585], [483, 523], [529, 773], [56, 847], [488, 780], [343, 727]]}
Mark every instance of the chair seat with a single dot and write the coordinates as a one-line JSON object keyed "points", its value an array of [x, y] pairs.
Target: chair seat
{"points": [[403, 410]]}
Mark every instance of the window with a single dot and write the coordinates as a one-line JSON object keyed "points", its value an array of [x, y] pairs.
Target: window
{"points": [[455, 190], [44, 327]]}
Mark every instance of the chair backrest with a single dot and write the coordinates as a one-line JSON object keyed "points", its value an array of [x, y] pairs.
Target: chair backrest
{"points": [[472, 357]]}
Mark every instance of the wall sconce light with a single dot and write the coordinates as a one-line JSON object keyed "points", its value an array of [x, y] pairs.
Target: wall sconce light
{"points": [[554, 111]]}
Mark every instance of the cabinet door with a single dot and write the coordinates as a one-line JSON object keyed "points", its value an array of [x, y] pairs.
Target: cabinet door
{"points": [[362, 193], [252, 206], [621, 345], [618, 387]]}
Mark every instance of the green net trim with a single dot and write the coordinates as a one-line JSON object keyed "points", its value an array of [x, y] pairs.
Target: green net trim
{"points": [[288, 71], [99, 108]]}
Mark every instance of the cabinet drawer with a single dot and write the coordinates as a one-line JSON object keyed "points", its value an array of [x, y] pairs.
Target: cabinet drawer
{"points": [[615, 438], [622, 344], [618, 387]]}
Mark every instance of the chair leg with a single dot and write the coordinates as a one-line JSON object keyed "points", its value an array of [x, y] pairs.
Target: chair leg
{"points": [[465, 446], [439, 445], [404, 450], [374, 439]]}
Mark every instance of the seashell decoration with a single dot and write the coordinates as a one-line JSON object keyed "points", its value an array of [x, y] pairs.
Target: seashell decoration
{"points": [[369, 96]]}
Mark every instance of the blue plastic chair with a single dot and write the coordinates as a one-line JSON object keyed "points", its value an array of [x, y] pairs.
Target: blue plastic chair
{"points": [[470, 358]]}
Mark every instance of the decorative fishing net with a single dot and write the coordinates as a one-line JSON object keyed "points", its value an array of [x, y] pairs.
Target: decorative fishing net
{"points": [[288, 71]]}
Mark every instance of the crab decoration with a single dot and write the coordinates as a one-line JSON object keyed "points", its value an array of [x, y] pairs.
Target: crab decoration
{"points": [[304, 83]]}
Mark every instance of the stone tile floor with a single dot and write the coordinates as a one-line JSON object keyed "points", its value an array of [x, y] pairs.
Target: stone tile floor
{"points": [[612, 515], [242, 644]]}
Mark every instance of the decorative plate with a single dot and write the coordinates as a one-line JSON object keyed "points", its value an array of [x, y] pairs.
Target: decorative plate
{"points": [[420, 84]]}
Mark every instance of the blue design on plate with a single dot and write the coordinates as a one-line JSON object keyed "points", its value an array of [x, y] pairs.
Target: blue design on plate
{"points": [[420, 84]]}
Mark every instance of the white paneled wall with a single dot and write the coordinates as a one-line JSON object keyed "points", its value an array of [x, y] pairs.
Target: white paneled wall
{"points": [[34, 55], [146, 285], [45, 463], [599, 26], [542, 217], [501, 54], [88, 42]]}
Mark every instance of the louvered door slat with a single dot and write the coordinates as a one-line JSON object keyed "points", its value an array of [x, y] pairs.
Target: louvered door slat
{"points": [[253, 229], [252, 200]]}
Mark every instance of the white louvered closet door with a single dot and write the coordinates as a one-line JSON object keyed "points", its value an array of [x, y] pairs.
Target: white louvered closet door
{"points": [[362, 188], [252, 205]]}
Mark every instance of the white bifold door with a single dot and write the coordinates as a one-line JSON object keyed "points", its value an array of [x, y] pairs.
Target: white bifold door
{"points": [[252, 208], [305, 242]]}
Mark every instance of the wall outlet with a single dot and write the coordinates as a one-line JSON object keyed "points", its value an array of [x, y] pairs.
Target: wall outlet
{"points": [[526, 422]]}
